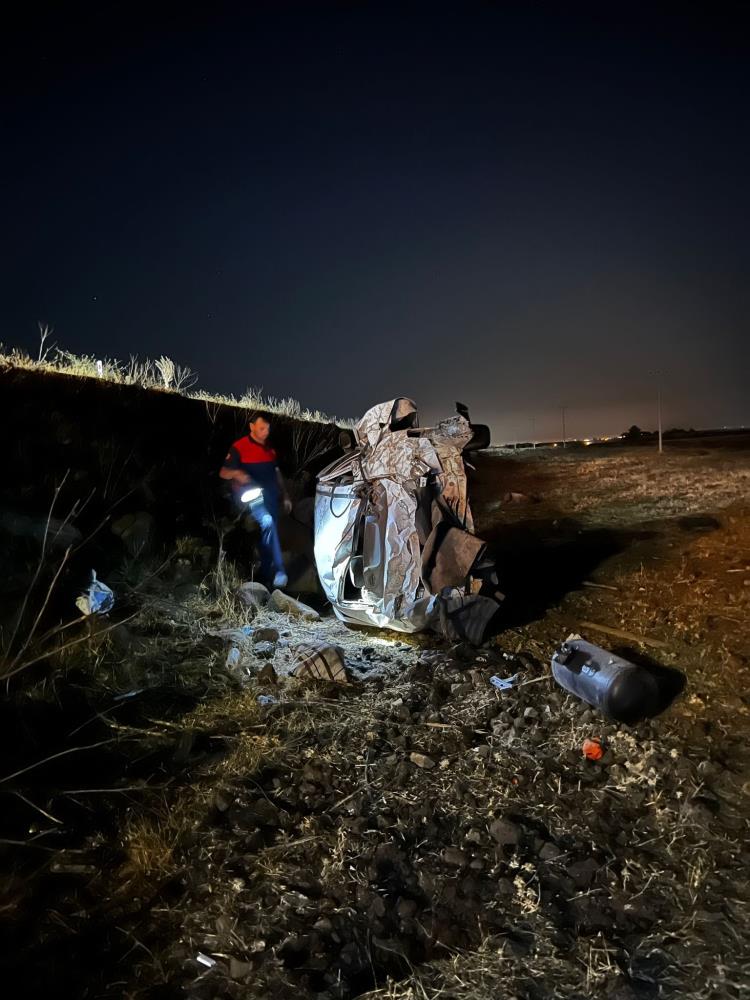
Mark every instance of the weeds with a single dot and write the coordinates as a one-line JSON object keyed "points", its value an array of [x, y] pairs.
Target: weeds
{"points": [[163, 374], [152, 841]]}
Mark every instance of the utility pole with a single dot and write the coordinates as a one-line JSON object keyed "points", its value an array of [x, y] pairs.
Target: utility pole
{"points": [[657, 373], [533, 432], [563, 425], [658, 407]]}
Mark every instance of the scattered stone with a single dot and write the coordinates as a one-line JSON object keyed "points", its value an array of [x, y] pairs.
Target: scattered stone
{"points": [[400, 712], [238, 970], [422, 760], [266, 813], [406, 908], [253, 595], [286, 605], [135, 530], [549, 852], [186, 592], [650, 966], [221, 800], [455, 857], [265, 650], [266, 635], [506, 834], [267, 675], [583, 873]]}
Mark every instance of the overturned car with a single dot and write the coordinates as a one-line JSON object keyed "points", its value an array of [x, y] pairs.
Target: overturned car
{"points": [[394, 540]]}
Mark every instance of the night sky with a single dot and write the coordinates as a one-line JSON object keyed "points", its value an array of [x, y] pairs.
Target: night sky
{"points": [[517, 206]]}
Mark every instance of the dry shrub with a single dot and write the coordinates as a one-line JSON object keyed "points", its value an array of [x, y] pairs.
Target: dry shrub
{"points": [[152, 840], [163, 373]]}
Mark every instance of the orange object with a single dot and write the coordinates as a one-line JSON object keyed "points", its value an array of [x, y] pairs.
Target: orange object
{"points": [[592, 750]]}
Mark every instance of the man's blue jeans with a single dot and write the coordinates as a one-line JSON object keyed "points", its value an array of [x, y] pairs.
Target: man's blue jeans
{"points": [[271, 560]]}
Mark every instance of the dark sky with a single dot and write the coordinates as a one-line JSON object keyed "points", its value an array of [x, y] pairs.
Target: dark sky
{"points": [[521, 207]]}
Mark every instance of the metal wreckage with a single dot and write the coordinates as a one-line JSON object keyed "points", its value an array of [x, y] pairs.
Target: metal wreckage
{"points": [[394, 540]]}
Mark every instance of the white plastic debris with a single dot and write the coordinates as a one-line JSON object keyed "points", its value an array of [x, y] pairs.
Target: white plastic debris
{"points": [[96, 599], [233, 657], [205, 960], [503, 683]]}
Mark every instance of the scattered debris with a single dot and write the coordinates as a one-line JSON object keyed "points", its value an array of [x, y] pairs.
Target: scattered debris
{"points": [[503, 684], [235, 636], [265, 650], [465, 617], [592, 749], [267, 699], [422, 760], [96, 599], [320, 661]]}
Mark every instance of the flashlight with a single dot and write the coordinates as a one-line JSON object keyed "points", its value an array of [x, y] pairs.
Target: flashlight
{"points": [[254, 493]]}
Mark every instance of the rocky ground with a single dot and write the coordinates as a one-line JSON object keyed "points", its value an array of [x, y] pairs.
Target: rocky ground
{"points": [[416, 833]]}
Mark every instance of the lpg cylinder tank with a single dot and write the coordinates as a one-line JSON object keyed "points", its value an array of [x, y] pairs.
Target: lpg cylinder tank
{"points": [[620, 689]]}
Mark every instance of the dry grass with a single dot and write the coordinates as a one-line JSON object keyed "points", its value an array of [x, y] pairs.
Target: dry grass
{"points": [[615, 487], [151, 842], [163, 374], [649, 789]]}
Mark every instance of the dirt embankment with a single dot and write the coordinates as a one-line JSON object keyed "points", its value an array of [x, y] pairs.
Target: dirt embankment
{"points": [[131, 471]]}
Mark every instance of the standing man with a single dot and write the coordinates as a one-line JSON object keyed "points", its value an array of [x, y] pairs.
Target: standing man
{"points": [[258, 485]]}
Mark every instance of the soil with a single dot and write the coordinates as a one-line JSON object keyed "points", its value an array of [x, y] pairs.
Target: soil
{"points": [[418, 832]]}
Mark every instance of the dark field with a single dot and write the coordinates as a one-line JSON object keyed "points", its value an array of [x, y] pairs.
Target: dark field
{"points": [[419, 835]]}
